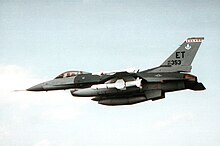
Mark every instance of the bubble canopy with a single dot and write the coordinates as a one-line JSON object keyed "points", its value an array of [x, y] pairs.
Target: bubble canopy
{"points": [[70, 74]]}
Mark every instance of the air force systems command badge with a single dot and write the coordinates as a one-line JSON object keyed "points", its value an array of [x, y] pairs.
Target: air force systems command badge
{"points": [[187, 47]]}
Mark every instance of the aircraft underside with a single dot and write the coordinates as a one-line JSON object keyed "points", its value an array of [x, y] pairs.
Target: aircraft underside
{"points": [[133, 95]]}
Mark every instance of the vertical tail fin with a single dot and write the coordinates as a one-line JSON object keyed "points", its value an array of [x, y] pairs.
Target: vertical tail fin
{"points": [[181, 59]]}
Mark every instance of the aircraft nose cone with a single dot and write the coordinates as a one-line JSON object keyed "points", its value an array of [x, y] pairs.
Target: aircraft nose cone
{"points": [[38, 87]]}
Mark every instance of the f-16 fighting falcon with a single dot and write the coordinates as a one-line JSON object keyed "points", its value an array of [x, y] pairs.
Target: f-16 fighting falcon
{"points": [[132, 86]]}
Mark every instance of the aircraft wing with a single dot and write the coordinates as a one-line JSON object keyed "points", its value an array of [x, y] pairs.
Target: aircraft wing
{"points": [[118, 75], [161, 79]]}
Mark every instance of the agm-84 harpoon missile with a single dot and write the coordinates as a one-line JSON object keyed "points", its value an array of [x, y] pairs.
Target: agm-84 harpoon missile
{"points": [[111, 88], [119, 84]]}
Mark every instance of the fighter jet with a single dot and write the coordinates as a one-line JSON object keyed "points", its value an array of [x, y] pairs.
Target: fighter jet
{"points": [[132, 86]]}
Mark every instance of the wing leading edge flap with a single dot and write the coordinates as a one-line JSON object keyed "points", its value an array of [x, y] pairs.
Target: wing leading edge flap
{"points": [[154, 94]]}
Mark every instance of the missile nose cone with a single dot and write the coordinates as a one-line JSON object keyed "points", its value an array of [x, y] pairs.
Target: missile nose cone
{"points": [[38, 87]]}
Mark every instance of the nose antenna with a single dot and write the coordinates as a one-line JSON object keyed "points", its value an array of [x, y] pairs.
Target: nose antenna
{"points": [[19, 90]]}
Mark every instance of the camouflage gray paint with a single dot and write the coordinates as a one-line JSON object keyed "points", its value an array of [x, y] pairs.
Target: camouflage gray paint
{"points": [[125, 88]]}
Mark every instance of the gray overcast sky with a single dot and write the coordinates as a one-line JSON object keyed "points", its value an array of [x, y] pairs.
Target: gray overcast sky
{"points": [[41, 39]]}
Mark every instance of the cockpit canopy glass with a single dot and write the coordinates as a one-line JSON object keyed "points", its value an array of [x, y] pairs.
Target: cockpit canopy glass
{"points": [[70, 74]]}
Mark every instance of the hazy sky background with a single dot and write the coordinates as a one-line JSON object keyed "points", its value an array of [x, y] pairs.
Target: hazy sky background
{"points": [[40, 39]]}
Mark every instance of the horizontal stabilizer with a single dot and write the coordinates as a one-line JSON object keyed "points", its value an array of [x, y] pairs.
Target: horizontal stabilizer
{"points": [[198, 86]]}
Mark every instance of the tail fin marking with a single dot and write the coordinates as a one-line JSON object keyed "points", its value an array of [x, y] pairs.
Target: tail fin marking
{"points": [[181, 59]]}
